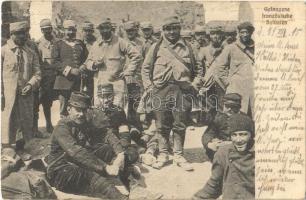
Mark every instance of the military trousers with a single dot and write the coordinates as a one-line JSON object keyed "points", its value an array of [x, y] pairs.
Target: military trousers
{"points": [[69, 177], [63, 96], [171, 114]]}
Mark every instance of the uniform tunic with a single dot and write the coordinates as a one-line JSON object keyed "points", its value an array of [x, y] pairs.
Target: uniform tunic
{"points": [[217, 128], [48, 59], [79, 155], [112, 55], [71, 54], [171, 80], [18, 110], [234, 68], [233, 175]]}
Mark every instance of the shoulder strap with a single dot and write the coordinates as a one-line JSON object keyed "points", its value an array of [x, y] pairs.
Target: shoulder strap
{"points": [[192, 59], [246, 52]]}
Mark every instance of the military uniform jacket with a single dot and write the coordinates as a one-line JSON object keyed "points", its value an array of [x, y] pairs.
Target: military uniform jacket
{"points": [[234, 68], [9, 82], [218, 128], [146, 46], [71, 55], [74, 143], [233, 175], [49, 55], [167, 67], [112, 55], [138, 44]]}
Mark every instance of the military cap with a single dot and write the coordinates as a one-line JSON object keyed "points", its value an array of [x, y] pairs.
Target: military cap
{"points": [[146, 25], [129, 25], [186, 33], [18, 26], [69, 24], [199, 29], [232, 99], [246, 25], [79, 100], [214, 26], [229, 28], [106, 88], [45, 23], [240, 122], [87, 25], [104, 21], [173, 20]]}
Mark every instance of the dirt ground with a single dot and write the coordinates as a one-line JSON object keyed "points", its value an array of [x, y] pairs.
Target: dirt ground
{"points": [[171, 181]]}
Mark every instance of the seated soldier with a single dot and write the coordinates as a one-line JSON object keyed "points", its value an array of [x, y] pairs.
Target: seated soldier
{"points": [[233, 167], [80, 162], [217, 134], [118, 121]]}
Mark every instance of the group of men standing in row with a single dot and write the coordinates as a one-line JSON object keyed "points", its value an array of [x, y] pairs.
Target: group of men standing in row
{"points": [[111, 74]]}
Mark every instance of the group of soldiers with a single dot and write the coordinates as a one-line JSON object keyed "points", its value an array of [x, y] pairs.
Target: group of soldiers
{"points": [[112, 89]]}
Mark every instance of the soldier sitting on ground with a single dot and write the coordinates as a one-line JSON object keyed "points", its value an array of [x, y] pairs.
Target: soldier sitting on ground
{"points": [[217, 133], [116, 115], [81, 163], [233, 167]]}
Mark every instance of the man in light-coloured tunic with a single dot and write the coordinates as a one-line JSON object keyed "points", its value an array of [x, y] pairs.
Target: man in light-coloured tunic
{"points": [[20, 76], [234, 67], [170, 73], [48, 56], [108, 57]]}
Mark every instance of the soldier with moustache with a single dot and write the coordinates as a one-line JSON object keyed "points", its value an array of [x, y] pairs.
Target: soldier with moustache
{"points": [[72, 54]]}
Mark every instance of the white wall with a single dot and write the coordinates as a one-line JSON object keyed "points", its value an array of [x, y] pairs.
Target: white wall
{"points": [[39, 10]]}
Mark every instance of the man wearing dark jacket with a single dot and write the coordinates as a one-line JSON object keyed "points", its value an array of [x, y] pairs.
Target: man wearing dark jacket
{"points": [[216, 134], [85, 152], [72, 53], [233, 169]]}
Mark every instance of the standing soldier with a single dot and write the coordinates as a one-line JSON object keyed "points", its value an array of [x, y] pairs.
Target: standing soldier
{"points": [[234, 67], [20, 76], [48, 56], [32, 45], [187, 35], [147, 30], [230, 34], [208, 56], [201, 38], [157, 33], [107, 58], [134, 88], [169, 73], [88, 39], [72, 53]]}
